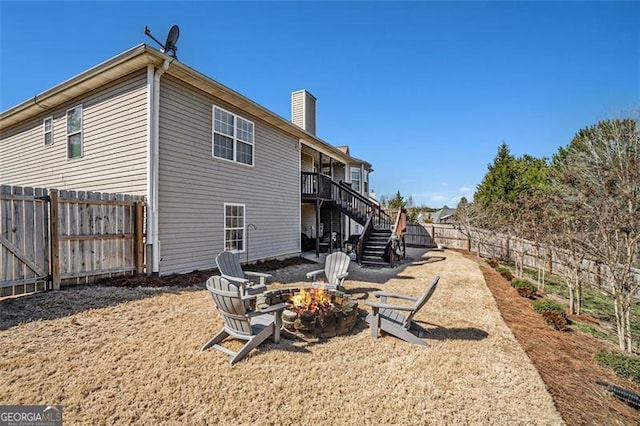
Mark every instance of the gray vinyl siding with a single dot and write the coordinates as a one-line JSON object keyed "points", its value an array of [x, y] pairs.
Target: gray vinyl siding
{"points": [[114, 143], [194, 186]]}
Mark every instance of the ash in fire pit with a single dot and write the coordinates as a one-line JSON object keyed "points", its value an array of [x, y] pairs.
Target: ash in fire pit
{"points": [[315, 312]]}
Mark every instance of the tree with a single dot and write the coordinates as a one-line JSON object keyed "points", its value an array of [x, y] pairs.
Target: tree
{"points": [[599, 176], [497, 184], [397, 202]]}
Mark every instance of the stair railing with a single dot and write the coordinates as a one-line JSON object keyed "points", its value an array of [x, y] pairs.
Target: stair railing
{"points": [[400, 230], [364, 237]]}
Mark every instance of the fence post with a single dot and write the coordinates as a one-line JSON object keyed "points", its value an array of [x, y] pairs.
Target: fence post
{"points": [[54, 238], [138, 237], [508, 250]]}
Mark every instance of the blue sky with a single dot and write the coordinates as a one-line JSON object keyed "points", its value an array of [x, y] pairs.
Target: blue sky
{"points": [[425, 91]]}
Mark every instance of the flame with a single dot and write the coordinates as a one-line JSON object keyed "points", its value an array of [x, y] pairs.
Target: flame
{"points": [[317, 300]]}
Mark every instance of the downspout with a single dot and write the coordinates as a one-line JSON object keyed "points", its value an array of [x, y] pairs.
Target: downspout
{"points": [[153, 162]]}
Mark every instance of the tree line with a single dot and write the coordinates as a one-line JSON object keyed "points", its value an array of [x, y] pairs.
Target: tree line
{"points": [[584, 200]]}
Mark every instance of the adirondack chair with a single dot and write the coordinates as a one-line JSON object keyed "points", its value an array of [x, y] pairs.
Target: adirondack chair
{"points": [[387, 317], [254, 326], [229, 267], [336, 269]]}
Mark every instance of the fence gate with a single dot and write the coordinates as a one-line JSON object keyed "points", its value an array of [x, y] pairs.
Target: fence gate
{"points": [[24, 240]]}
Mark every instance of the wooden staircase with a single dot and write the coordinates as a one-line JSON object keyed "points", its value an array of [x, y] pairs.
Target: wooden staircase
{"points": [[378, 225], [374, 247]]}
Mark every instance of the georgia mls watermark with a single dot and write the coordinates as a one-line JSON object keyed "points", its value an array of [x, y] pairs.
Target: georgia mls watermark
{"points": [[30, 415]]}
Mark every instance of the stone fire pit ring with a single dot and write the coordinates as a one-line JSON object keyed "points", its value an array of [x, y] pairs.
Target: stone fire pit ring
{"points": [[339, 320]]}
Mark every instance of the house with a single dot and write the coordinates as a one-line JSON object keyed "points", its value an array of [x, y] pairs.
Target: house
{"points": [[218, 170], [444, 215]]}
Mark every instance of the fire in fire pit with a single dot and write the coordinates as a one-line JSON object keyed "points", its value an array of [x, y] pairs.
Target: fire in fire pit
{"points": [[316, 300], [316, 312]]}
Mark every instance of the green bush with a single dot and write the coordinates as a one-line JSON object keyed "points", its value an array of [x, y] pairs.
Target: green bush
{"points": [[505, 272], [625, 365], [522, 283], [546, 305]]}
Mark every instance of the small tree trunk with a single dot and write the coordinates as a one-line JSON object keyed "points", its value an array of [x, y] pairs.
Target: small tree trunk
{"points": [[627, 315], [578, 296], [620, 323], [572, 306]]}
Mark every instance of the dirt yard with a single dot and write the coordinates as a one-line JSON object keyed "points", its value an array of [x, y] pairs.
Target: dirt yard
{"points": [[113, 355]]}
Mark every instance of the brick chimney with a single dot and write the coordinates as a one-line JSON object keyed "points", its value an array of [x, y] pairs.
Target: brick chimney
{"points": [[303, 110]]}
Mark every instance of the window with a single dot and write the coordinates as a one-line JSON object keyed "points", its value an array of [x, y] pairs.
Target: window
{"points": [[232, 137], [74, 132], [355, 179], [234, 227], [47, 130]]}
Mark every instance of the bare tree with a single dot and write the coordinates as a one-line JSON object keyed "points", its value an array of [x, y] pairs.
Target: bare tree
{"points": [[601, 178]]}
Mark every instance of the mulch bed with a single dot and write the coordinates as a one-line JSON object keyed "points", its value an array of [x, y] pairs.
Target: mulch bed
{"points": [[196, 277], [564, 359]]}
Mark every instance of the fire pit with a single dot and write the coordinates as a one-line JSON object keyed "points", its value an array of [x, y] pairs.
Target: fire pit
{"points": [[315, 312]]}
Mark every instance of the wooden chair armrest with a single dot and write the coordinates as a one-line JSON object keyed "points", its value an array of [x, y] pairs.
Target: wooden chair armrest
{"points": [[242, 281], [268, 310], [314, 273], [257, 274], [394, 295], [379, 305], [341, 276], [263, 276]]}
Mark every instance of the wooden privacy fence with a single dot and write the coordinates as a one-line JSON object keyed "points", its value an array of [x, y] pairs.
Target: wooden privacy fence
{"points": [[51, 237], [494, 245]]}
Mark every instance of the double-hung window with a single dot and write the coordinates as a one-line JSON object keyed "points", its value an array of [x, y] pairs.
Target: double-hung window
{"points": [[74, 132], [356, 182], [234, 227], [232, 137], [47, 130]]}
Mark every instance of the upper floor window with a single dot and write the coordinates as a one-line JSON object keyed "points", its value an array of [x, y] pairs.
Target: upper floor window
{"points": [[47, 130], [74, 132], [232, 137], [234, 227], [356, 182]]}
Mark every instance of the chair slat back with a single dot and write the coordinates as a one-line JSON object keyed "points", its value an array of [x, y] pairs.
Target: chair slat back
{"points": [[229, 264], [420, 302], [226, 297], [336, 263]]}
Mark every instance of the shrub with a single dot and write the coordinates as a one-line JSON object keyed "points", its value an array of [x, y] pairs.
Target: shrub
{"points": [[525, 287], [505, 272], [526, 292], [493, 263], [556, 320], [627, 366], [544, 305]]}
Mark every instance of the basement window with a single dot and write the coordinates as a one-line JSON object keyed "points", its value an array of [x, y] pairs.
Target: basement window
{"points": [[47, 131], [74, 132], [234, 227], [232, 137]]}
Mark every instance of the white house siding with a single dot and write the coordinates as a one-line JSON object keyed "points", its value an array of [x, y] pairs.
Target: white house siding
{"points": [[114, 138], [194, 186]]}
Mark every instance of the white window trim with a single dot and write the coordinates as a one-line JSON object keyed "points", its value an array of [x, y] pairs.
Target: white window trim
{"points": [[244, 227], [235, 137], [69, 158], [351, 169], [44, 131]]}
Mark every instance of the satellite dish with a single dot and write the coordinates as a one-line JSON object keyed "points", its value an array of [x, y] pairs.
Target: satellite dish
{"points": [[169, 47]]}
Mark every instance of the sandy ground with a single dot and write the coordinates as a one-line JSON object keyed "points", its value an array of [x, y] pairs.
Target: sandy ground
{"points": [[113, 355]]}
